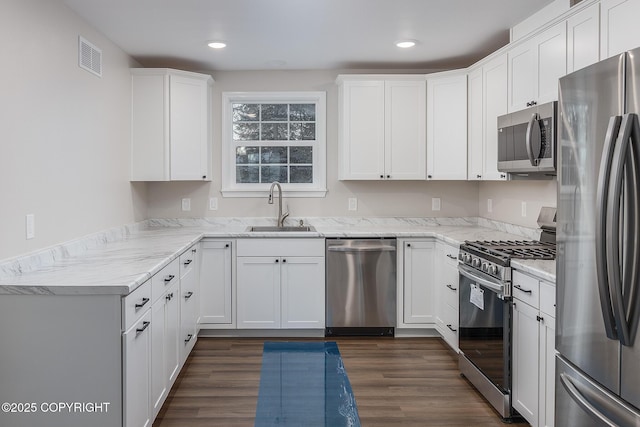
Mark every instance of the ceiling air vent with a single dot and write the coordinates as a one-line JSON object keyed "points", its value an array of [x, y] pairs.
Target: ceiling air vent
{"points": [[89, 57]]}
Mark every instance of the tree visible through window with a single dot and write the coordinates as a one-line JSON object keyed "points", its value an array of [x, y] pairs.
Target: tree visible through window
{"points": [[276, 140]]}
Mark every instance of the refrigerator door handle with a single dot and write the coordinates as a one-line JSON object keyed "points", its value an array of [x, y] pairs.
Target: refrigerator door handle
{"points": [[622, 172], [602, 196], [632, 266], [533, 121], [583, 402]]}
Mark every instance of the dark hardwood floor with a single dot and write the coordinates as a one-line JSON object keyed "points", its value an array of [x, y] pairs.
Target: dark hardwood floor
{"points": [[396, 382]]}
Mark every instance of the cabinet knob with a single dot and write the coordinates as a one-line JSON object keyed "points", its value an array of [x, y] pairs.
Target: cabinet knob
{"points": [[429, 176], [382, 176], [226, 246], [478, 176], [408, 245], [277, 260], [204, 176], [540, 318], [388, 176], [502, 175], [284, 260]]}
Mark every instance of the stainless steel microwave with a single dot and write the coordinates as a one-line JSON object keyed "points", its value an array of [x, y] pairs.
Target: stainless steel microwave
{"points": [[527, 142]]}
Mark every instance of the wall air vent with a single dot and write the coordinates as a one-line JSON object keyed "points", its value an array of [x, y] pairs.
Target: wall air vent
{"points": [[89, 57]]}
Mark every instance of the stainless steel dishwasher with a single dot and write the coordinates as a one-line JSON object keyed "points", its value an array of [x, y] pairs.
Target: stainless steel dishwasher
{"points": [[361, 287]]}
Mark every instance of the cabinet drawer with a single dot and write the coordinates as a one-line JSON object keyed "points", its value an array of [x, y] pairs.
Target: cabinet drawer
{"points": [[280, 247], [548, 299], [526, 289], [136, 304], [450, 326], [449, 292], [188, 260], [163, 279]]}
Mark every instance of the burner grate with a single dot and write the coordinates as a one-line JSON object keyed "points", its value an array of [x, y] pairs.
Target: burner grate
{"points": [[520, 249]]}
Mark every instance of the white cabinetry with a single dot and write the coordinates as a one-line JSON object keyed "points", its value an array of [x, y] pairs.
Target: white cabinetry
{"points": [[535, 67], [189, 301], [487, 101], [280, 283], [618, 26], [446, 286], [533, 349], [419, 300], [447, 126], [170, 125], [583, 38], [216, 309], [381, 127], [165, 322]]}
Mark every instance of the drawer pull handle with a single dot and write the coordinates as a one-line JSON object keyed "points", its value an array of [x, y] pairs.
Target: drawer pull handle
{"points": [[169, 278], [188, 338], [188, 295], [521, 289], [451, 329], [452, 288], [145, 325], [169, 297], [540, 319], [452, 256], [142, 304], [187, 262], [193, 251]]}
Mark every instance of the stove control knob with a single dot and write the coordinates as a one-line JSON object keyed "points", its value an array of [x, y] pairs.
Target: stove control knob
{"points": [[475, 262], [485, 267], [466, 258], [493, 270]]}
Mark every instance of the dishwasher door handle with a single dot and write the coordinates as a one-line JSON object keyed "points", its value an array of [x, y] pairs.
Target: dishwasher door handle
{"points": [[379, 248]]}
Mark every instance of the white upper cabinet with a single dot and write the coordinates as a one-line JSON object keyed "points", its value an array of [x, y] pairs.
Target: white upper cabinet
{"points": [[382, 127], [487, 101], [170, 125], [583, 38], [535, 67], [618, 26], [447, 126]]}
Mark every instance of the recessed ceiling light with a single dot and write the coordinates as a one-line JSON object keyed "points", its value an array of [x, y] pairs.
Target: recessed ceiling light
{"points": [[405, 43], [217, 45]]}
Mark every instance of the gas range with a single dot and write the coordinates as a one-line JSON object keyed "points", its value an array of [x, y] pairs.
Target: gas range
{"points": [[493, 257]]}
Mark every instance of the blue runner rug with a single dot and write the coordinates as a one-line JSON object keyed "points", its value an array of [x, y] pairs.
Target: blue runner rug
{"points": [[304, 384]]}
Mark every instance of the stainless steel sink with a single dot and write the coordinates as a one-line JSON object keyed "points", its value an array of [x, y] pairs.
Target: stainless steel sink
{"points": [[275, 229]]}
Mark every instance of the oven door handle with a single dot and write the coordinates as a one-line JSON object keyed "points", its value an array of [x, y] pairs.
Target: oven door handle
{"points": [[494, 286]]}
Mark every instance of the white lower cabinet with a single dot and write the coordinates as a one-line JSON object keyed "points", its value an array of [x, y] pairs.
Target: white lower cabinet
{"points": [[189, 301], [419, 273], [533, 357], [446, 261], [216, 291], [136, 345], [280, 283]]}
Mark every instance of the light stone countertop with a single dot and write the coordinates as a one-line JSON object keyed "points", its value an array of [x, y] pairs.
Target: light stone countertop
{"points": [[117, 261]]}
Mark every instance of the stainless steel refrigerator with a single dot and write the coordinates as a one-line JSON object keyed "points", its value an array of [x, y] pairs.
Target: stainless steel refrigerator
{"points": [[598, 243]]}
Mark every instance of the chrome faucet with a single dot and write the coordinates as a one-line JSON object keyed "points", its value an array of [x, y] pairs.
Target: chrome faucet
{"points": [[281, 216]]}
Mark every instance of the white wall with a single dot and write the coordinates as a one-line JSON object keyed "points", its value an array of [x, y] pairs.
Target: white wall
{"points": [[64, 133], [393, 198], [508, 196]]}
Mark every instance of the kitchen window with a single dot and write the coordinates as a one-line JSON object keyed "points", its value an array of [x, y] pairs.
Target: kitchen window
{"points": [[274, 136]]}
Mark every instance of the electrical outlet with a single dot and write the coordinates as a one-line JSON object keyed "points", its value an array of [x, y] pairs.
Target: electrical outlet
{"points": [[524, 208], [435, 204], [489, 205], [353, 204], [186, 204], [213, 203], [30, 225]]}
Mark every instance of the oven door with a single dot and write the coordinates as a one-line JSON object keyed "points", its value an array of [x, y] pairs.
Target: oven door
{"points": [[485, 323]]}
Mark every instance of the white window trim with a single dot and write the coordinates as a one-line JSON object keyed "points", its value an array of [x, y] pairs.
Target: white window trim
{"points": [[230, 188]]}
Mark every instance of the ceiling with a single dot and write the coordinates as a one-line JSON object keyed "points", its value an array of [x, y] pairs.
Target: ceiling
{"points": [[306, 34]]}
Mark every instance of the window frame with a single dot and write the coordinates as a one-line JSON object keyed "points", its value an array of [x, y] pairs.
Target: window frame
{"points": [[317, 188]]}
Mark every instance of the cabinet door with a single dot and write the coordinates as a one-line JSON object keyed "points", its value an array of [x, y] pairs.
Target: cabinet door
{"points": [[419, 282], [172, 334], [258, 283], [215, 283], [159, 383], [547, 379], [405, 130], [525, 361], [551, 64], [362, 130], [495, 104], [447, 128], [188, 313], [189, 128], [618, 26], [302, 287], [583, 38], [475, 129], [522, 66], [136, 373]]}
